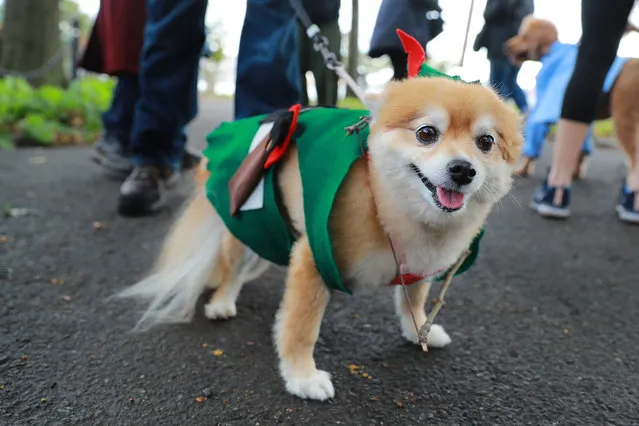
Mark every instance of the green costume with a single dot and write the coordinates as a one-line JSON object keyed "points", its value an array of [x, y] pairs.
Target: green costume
{"points": [[326, 154]]}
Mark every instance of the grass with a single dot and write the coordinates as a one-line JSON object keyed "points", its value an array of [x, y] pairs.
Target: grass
{"points": [[6, 141], [351, 103], [604, 129]]}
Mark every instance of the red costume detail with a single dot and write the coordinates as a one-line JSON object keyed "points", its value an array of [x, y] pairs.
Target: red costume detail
{"points": [[115, 44], [280, 150], [415, 51], [408, 279]]}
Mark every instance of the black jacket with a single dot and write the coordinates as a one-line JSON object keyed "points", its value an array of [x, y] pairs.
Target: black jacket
{"points": [[420, 19], [502, 19]]}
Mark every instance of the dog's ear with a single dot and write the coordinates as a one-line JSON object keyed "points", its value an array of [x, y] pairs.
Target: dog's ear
{"points": [[511, 131], [372, 102]]}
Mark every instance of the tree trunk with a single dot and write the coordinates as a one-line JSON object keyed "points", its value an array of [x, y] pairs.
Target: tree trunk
{"points": [[353, 48], [31, 40]]}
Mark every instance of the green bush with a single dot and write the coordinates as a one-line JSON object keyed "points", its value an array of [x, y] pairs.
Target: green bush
{"points": [[51, 115], [16, 96], [38, 127]]}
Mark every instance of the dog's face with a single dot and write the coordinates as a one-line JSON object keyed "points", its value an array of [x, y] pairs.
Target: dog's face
{"points": [[440, 148], [533, 40]]}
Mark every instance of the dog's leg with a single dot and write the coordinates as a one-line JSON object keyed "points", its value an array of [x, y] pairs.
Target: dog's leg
{"points": [[525, 168], [417, 292], [628, 136], [226, 279], [297, 327]]}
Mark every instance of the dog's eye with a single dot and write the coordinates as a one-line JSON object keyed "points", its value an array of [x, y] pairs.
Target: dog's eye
{"points": [[485, 143], [427, 135]]}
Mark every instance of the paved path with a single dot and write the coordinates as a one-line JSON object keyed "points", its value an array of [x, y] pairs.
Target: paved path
{"points": [[544, 328]]}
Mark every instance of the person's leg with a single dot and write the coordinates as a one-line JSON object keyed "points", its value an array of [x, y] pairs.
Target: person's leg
{"points": [[498, 78], [603, 24], [517, 94], [325, 79], [268, 69], [118, 119], [305, 49], [399, 61], [173, 40], [111, 150]]}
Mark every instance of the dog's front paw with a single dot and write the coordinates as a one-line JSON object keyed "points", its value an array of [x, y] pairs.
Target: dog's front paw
{"points": [[318, 386], [437, 336], [220, 309]]}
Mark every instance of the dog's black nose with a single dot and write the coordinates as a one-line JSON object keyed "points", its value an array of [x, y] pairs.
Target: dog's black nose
{"points": [[461, 172]]}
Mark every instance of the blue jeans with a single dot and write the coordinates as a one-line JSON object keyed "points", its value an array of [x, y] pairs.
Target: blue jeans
{"points": [[268, 75], [503, 77], [118, 119], [268, 69], [173, 40]]}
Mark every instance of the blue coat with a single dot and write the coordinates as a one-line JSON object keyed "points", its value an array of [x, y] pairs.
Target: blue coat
{"points": [[553, 78], [419, 19]]}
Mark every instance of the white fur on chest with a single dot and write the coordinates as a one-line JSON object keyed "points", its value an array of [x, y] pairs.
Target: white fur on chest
{"points": [[436, 254], [427, 254], [377, 268]]}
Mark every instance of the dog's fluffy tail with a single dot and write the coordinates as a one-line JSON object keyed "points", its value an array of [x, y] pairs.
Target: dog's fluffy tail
{"points": [[184, 267]]}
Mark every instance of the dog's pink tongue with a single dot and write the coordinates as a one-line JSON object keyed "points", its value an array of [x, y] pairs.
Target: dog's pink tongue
{"points": [[450, 199]]}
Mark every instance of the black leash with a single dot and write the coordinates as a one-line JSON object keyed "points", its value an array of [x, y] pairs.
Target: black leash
{"points": [[321, 45]]}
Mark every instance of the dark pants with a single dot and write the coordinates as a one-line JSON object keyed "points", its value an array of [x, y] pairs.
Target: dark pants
{"points": [[118, 119], [503, 77], [399, 61], [268, 69], [310, 60], [173, 40], [603, 24], [150, 112]]}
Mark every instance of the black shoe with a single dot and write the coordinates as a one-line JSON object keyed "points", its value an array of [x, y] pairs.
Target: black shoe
{"points": [[543, 202], [144, 191], [109, 153], [626, 207]]}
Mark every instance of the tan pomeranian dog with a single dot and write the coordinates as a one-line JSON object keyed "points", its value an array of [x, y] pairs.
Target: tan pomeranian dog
{"points": [[533, 42], [441, 154]]}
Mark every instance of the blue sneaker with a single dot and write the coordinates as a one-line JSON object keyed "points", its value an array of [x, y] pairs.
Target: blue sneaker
{"points": [[543, 202], [626, 208]]}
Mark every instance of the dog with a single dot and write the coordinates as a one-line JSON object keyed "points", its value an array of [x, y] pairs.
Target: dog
{"points": [[534, 41], [440, 155]]}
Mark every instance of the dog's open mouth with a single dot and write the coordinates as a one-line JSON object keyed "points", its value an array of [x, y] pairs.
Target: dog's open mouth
{"points": [[446, 199]]}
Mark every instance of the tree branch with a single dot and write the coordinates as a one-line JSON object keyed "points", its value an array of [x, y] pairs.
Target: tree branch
{"points": [[430, 318]]}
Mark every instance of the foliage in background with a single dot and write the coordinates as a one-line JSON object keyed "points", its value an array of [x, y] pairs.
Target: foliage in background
{"points": [[70, 10], [51, 115], [214, 50]]}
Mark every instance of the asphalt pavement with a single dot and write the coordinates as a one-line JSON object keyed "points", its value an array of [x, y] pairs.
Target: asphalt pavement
{"points": [[545, 326]]}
